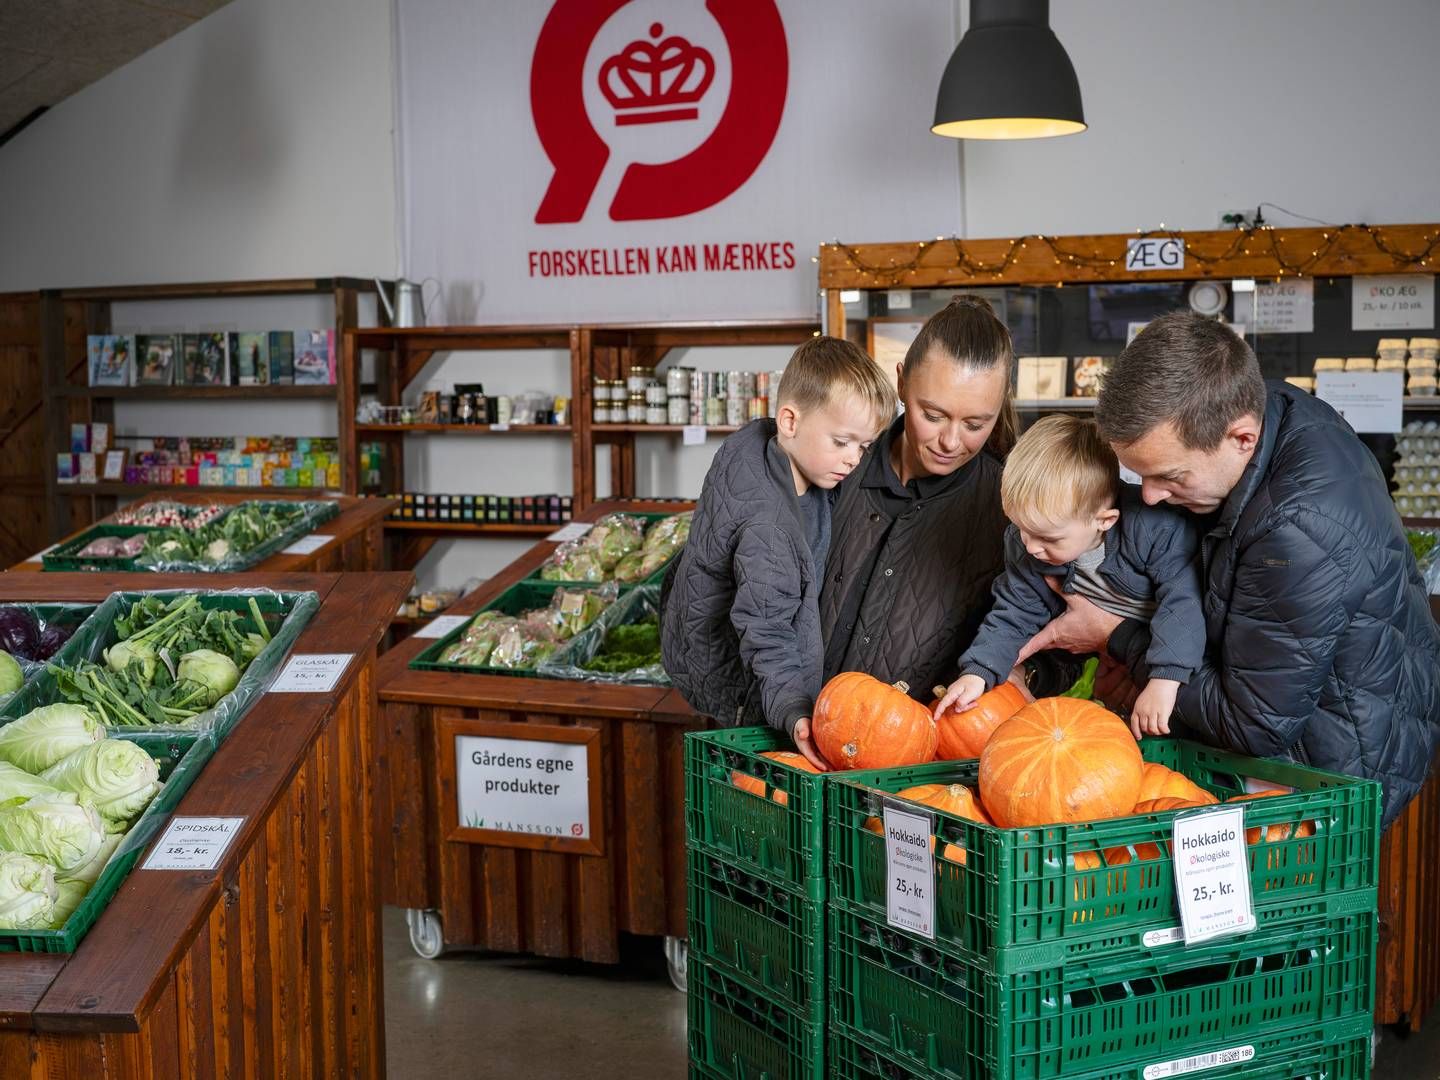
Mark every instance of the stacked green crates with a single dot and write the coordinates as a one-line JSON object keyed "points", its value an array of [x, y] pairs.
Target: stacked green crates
{"points": [[1042, 970], [757, 885]]}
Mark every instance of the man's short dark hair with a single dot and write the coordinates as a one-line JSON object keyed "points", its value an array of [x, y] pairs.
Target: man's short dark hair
{"points": [[1194, 372]]}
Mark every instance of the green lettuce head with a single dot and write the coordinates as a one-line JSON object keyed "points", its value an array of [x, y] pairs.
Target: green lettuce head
{"points": [[57, 828], [11, 676], [212, 670], [88, 874], [117, 777], [43, 736], [18, 784], [27, 892], [67, 899]]}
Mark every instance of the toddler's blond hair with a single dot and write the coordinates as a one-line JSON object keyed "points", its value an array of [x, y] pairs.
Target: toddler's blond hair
{"points": [[1060, 470]]}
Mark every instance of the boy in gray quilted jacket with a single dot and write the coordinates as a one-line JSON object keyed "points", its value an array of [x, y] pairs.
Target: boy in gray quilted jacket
{"points": [[740, 624], [1074, 523]]}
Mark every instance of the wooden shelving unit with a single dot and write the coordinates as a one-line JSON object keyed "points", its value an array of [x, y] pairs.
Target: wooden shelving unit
{"points": [[472, 528], [122, 489], [380, 430], [68, 316]]}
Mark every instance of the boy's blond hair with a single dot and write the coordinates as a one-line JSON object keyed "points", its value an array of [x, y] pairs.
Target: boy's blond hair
{"points": [[1060, 470], [823, 367]]}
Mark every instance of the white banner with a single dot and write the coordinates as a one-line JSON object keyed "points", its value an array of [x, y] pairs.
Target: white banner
{"points": [[605, 160]]}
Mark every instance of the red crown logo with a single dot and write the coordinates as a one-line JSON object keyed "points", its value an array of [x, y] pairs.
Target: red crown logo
{"points": [[657, 83]]}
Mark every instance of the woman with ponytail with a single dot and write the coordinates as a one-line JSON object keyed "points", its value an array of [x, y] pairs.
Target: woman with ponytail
{"points": [[917, 533]]}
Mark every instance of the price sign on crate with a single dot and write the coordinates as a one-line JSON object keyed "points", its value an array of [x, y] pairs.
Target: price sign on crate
{"points": [[910, 903], [1212, 874]]}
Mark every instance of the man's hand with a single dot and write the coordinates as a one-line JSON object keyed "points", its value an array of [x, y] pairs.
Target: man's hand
{"points": [[804, 744], [1114, 687], [1082, 628], [1017, 680]]}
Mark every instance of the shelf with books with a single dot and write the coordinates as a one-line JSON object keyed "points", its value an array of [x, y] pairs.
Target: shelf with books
{"points": [[464, 429], [269, 391]]}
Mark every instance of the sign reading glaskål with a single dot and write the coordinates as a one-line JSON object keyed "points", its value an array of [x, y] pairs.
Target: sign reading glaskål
{"points": [[660, 159], [523, 785]]}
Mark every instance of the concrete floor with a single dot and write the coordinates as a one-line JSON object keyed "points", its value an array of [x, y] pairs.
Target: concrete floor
{"points": [[482, 1017]]}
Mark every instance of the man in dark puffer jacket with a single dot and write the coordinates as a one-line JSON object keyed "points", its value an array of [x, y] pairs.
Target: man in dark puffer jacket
{"points": [[1321, 645]]}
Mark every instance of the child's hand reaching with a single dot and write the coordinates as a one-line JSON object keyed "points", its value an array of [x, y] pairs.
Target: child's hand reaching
{"points": [[962, 694], [1150, 715]]}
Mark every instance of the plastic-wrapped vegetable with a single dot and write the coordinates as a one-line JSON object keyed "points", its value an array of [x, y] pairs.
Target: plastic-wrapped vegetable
{"points": [[572, 610], [519, 650], [615, 536], [51, 638], [573, 561], [631, 568], [670, 532], [19, 632], [474, 646], [27, 892]]}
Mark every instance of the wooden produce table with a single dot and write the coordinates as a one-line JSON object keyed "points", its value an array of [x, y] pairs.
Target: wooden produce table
{"points": [[524, 894], [358, 529], [269, 965]]}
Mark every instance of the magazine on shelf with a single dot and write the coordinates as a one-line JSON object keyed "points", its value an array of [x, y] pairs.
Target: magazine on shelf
{"points": [[282, 357], [155, 356], [250, 358], [1090, 374], [206, 359], [314, 357], [110, 356]]}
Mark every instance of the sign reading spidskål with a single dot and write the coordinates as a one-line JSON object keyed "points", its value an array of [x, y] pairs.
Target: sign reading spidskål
{"points": [[523, 786]]}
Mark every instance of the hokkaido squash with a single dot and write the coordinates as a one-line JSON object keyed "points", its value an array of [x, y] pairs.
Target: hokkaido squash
{"points": [[1157, 782], [964, 734], [954, 799], [1279, 831], [860, 723], [1155, 806], [755, 786], [1059, 760]]}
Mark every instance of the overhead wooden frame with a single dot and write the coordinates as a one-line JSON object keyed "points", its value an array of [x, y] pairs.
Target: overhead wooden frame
{"points": [[1264, 252]]}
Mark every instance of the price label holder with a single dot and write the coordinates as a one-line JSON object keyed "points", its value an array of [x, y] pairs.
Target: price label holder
{"points": [[693, 435], [500, 429], [1233, 1055], [910, 901], [1212, 874], [441, 625], [308, 545], [574, 531], [39, 556], [193, 843], [311, 673]]}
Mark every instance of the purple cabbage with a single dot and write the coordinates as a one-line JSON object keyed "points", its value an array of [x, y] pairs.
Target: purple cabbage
{"points": [[19, 633], [51, 639]]}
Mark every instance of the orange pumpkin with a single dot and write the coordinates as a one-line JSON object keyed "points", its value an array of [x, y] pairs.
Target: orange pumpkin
{"points": [[860, 723], [1090, 860], [755, 786], [1156, 782], [964, 734], [1060, 760], [954, 799], [1155, 806], [1279, 831]]}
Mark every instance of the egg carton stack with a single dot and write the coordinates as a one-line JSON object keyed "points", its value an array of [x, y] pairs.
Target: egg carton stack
{"points": [[1420, 367], [1417, 469]]}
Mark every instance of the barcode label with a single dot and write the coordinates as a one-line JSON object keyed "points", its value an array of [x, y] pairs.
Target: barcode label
{"points": [[1236, 1055], [1163, 937]]}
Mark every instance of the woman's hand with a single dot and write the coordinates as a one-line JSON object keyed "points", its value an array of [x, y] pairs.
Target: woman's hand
{"points": [[1082, 628], [806, 746]]}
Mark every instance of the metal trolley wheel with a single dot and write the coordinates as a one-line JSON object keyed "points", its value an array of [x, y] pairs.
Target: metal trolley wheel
{"points": [[677, 952], [427, 932]]}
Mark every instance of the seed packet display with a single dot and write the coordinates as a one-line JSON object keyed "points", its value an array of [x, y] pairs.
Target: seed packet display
{"points": [[206, 359], [110, 356], [155, 359]]}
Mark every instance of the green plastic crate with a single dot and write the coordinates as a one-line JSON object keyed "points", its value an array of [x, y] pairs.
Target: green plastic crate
{"points": [[1335, 1052], [768, 936], [181, 759], [951, 1019], [66, 557], [521, 597], [285, 614], [736, 1034], [782, 843], [653, 579], [1019, 902]]}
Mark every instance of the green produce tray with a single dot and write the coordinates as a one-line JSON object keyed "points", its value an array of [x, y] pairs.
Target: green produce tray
{"points": [[653, 579], [520, 597], [736, 1034], [783, 844], [567, 662], [66, 557], [946, 1018], [316, 513], [769, 937], [1018, 902], [1334, 1052], [285, 613], [181, 758]]}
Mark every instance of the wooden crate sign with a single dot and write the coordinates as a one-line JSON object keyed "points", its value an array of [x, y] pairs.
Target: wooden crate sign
{"points": [[528, 786]]}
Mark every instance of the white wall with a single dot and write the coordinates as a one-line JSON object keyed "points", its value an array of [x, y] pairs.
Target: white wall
{"points": [[255, 144], [1325, 107]]}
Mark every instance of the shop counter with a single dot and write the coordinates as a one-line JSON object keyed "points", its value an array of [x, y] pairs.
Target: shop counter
{"points": [[357, 531], [555, 894], [270, 964]]}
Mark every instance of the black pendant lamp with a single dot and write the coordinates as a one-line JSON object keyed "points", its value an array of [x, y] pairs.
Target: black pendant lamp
{"points": [[1009, 78]]}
